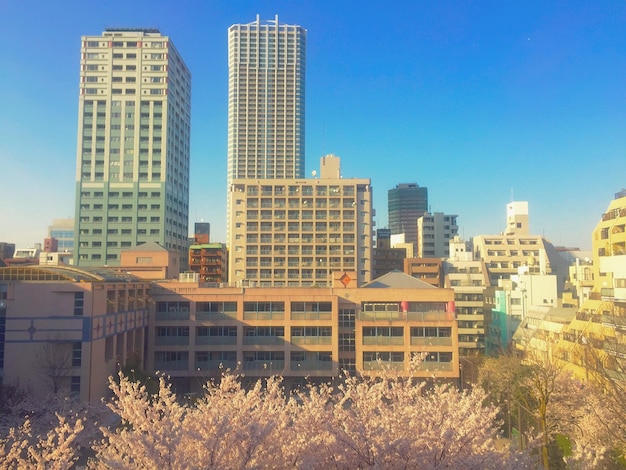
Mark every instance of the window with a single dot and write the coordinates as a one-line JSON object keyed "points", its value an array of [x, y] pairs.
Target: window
{"points": [[75, 385], [77, 352], [79, 299]]}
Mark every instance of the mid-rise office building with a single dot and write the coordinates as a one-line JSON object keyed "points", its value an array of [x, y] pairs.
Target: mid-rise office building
{"points": [[266, 64], [132, 172], [63, 231], [297, 232], [406, 203]]}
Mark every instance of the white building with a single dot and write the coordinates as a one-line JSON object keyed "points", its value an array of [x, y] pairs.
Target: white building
{"points": [[265, 101], [434, 232], [132, 167]]}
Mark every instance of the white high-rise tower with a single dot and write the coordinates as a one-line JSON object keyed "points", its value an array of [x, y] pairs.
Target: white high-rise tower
{"points": [[266, 64]]}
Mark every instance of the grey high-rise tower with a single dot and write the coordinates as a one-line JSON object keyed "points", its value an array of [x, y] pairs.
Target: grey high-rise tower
{"points": [[132, 172], [266, 63], [406, 203]]}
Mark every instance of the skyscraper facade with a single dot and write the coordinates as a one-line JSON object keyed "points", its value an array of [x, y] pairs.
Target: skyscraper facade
{"points": [[132, 171], [406, 203], [265, 101]]}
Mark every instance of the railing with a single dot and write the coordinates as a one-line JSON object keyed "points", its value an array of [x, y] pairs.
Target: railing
{"points": [[409, 316], [383, 365], [311, 315], [215, 365], [216, 316], [172, 315], [432, 366], [171, 340], [217, 340], [263, 340], [430, 341], [271, 367], [164, 366], [383, 340], [312, 365], [311, 339]]}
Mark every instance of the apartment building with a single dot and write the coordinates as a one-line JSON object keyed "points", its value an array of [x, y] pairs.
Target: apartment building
{"points": [[66, 329], [429, 270], [266, 102], [468, 279], [594, 346], [297, 232], [210, 261], [434, 232], [296, 332], [132, 170]]}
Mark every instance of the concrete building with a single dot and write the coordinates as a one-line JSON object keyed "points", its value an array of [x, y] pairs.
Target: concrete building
{"points": [[595, 346], [132, 171], [386, 258], [517, 218], [150, 261], [541, 334], [66, 329], [429, 270], [434, 232], [210, 261], [303, 332], [6, 250], [266, 100], [201, 233], [503, 254], [405, 204], [63, 231], [297, 232], [468, 279]]}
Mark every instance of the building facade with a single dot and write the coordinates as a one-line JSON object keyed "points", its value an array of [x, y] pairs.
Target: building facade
{"points": [[266, 101], [434, 232], [406, 203], [210, 261], [133, 148], [66, 330], [199, 332], [63, 231], [297, 232], [468, 279]]}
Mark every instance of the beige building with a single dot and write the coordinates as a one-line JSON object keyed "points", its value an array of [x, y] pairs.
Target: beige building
{"points": [[504, 254], [468, 279], [297, 232], [302, 332], [67, 330]]}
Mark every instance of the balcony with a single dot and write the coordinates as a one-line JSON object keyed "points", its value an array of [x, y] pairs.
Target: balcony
{"points": [[272, 367], [383, 365], [311, 339], [311, 365], [215, 340], [171, 340], [430, 341], [215, 365]]}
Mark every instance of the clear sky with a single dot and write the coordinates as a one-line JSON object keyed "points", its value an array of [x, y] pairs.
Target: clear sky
{"points": [[480, 101]]}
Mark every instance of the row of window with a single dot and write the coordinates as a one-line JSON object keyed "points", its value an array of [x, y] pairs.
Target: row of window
{"points": [[156, 44]]}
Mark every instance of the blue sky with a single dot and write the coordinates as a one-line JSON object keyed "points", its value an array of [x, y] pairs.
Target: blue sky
{"points": [[479, 101]]}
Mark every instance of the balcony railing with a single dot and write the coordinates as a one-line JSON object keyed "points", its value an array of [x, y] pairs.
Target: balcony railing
{"points": [[217, 340], [274, 340], [311, 339], [272, 367], [383, 365], [215, 365], [311, 365]]}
